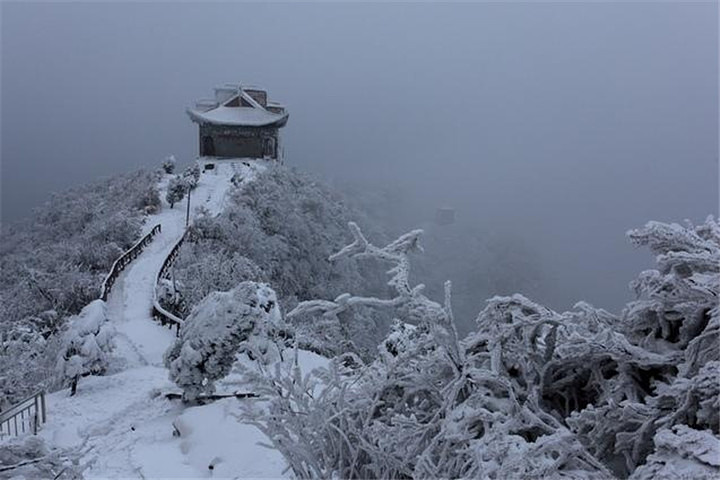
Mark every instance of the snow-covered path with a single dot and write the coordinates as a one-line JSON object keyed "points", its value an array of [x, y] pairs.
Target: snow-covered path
{"points": [[140, 340], [123, 420]]}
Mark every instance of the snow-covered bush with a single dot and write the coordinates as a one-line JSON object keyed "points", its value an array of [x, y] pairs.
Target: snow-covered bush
{"points": [[149, 202], [25, 351], [85, 346], [531, 393], [208, 272], [176, 190], [168, 164], [29, 457], [112, 234], [224, 324], [682, 453], [169, 296]]}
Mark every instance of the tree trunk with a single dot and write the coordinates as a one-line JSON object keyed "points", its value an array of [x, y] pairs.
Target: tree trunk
{"points": [[73, 385]]}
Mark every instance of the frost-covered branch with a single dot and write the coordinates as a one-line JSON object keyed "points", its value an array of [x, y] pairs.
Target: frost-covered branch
{"points": [[396, 253]]}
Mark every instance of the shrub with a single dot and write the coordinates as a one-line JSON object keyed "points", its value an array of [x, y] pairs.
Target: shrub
{"points": [[168, 165], [85, 345], [221, 326], [149, 202], [176, 190], [531, 393]]}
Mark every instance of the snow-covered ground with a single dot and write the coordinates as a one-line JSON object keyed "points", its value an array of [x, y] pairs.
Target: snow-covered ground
{"points": [[129, 425], [123, 420]]}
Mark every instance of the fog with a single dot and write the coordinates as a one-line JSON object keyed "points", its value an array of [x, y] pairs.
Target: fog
{"points": [[559, 125]]}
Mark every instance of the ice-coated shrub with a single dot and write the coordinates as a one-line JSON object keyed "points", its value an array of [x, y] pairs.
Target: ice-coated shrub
{"points": [[30, 457], [222, 325], [85, 345], [149, 201], [215, 271], [168, 294], [24, 353], [531, 393], [683, 453]]}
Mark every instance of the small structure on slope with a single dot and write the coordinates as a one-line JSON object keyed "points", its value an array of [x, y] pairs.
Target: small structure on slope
{"points": [[239, 123], [445, 216]]}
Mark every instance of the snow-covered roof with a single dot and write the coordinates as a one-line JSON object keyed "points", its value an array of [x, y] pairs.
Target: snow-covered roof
{"points": [[234, 106], [239, 116]]}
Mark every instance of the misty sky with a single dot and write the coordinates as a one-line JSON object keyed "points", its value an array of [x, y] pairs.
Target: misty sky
{"points": [[562, 123]]}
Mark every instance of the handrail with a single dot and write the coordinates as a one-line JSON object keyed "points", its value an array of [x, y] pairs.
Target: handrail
{"points": [[30, 412], [123, 260], [159, 313]]}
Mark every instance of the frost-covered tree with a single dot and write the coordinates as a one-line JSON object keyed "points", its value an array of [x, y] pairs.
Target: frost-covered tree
{"points": [[169, 163], [86, 344], [531, 393], [175, 190], [224, 324], [191, 175]]}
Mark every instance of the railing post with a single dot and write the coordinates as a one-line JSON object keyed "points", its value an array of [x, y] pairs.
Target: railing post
{"points": [[42, 403], [36, 404]]}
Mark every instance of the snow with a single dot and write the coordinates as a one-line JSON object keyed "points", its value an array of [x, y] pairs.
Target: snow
{"points": [[251, 100], [241, 116], [123, 422], [228, 451], [130, 427]]}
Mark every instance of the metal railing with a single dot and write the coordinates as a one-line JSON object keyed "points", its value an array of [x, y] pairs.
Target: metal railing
{"points": [[159, 313], [123, 260], [24, 417]]}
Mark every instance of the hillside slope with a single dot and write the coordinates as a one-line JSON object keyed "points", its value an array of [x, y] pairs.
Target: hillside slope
{"points": [[122, 422]]}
